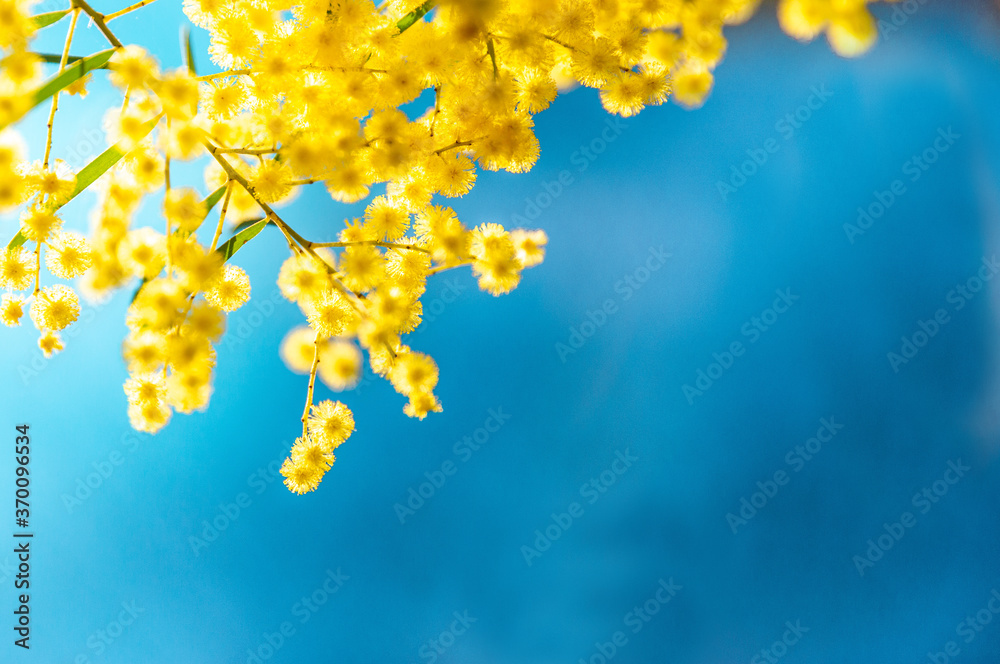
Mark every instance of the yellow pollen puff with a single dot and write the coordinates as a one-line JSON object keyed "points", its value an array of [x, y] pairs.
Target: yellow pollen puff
{"points": [[414, 372], [17, 268], [363, 267], [330, 423], [52, 185], [144, 351], [149, 417], [271, 180], [230, 290], [69, 255], [50, 343], [297, 349], [143, 252], [340, 365], [302, 278], [185, 208], [145, 389], [422, 403], [691, 85], [300, 477], [496, 259], [39, 223], [178, 92], [11, 309], [204, 321], [387, 219], [530, 245], [330, 315], [54, 308], [132, 67]]}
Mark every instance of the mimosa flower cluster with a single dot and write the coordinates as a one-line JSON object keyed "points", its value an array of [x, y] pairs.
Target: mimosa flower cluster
{"points": [[313, 92]]}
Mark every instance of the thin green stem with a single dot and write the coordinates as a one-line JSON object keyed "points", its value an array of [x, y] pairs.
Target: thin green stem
{"points": [[444, 268], [131, 8], [166, 183], [222, 215], [290, 234], [99, 21], [224, 74], [38, 267], [456, 144], [373, 243], [250, 151], [55, 97], [312, 385]]}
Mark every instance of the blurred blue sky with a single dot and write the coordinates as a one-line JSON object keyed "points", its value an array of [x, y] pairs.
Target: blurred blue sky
{"points": [[662, 517]]}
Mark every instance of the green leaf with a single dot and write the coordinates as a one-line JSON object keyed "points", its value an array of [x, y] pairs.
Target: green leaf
{"points": [[247, 223], [89, 174], [187, 52], [407, 21], [138, 290], [16, 241], [104, 161], [213, 198], [493, 58], [54, 59], [236, 242], [43, 20], [70, 75]]}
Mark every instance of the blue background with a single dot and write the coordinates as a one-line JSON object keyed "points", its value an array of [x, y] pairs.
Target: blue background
{"points": [[655, 184]]}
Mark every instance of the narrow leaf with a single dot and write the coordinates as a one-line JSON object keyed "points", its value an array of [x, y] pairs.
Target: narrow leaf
{"points": [[89, 174], [236, 242], [55, 59], [213, 198], [187, 52], [43, 20], [16, 241], [404, 23], [246, 223], [493, 58], [104, 161], [71, 74], [138, 290]]}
